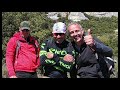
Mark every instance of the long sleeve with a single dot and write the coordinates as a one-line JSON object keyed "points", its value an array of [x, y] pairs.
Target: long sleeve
{"points": [[43, 53], [103, 49], [66, 66], [10, 56], [57, 60]]}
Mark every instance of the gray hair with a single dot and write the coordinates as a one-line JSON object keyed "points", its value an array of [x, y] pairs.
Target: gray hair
{"points": [[75, 23]]}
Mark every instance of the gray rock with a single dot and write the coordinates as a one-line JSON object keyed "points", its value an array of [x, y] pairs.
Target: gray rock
{"points": [[76, 16], [102, 14], [53, 15]]}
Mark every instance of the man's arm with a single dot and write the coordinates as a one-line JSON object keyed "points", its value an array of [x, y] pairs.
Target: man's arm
{"points": [[10, 57], [43, 55], [68, 61], [96, 45], [102, 48]]}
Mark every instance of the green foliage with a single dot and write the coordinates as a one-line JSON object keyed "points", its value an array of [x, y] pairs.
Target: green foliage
{"points": [[41, 27], [103, 28], [111, 41], [100, 25], [42, 35], [4, 71]]}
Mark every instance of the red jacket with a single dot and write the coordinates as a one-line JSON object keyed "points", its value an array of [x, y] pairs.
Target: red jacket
{"points": [[27, 59]]}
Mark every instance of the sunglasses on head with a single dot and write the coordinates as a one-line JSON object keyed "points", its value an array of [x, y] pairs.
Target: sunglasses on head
{"points": [[56, 34], [26, 30]]}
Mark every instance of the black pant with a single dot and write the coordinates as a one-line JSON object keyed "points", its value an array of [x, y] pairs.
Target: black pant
{"points": [[53, 73], [56, 74], [22, 74], [73, 72]]}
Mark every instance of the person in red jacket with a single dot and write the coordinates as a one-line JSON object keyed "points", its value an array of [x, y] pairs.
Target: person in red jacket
{"points": [[22, 62]]}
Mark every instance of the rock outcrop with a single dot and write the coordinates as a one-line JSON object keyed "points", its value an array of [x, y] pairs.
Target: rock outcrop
{"points": [[78, 16]]}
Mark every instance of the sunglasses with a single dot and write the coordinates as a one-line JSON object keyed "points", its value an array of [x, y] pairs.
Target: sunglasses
{"points": [[61, 34], [26, 30]]}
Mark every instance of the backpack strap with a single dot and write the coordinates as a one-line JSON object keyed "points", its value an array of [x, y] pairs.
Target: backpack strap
{"points": [[110, 62], [37, 49], [17, 48]]}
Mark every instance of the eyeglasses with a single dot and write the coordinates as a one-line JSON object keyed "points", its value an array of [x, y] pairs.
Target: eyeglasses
{"points": [[26, 30], [61, 34]]}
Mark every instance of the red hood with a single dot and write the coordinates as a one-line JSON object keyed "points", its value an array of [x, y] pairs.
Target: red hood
{"points": [[18, 36]]}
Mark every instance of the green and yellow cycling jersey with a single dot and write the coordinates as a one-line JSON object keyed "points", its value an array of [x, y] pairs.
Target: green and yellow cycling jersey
{"points": [[59, 51]]}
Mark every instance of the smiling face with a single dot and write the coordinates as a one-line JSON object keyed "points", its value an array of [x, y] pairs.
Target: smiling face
{"points": [[76, 32]]}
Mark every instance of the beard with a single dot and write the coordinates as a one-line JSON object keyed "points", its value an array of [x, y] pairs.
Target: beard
{"points": [[59, 41]]}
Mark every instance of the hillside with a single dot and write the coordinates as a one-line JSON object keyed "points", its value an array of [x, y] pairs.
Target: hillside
{"points": [[105, 28]]}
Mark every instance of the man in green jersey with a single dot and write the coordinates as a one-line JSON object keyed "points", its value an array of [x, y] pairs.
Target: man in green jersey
{"points": [[57, 54]]}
